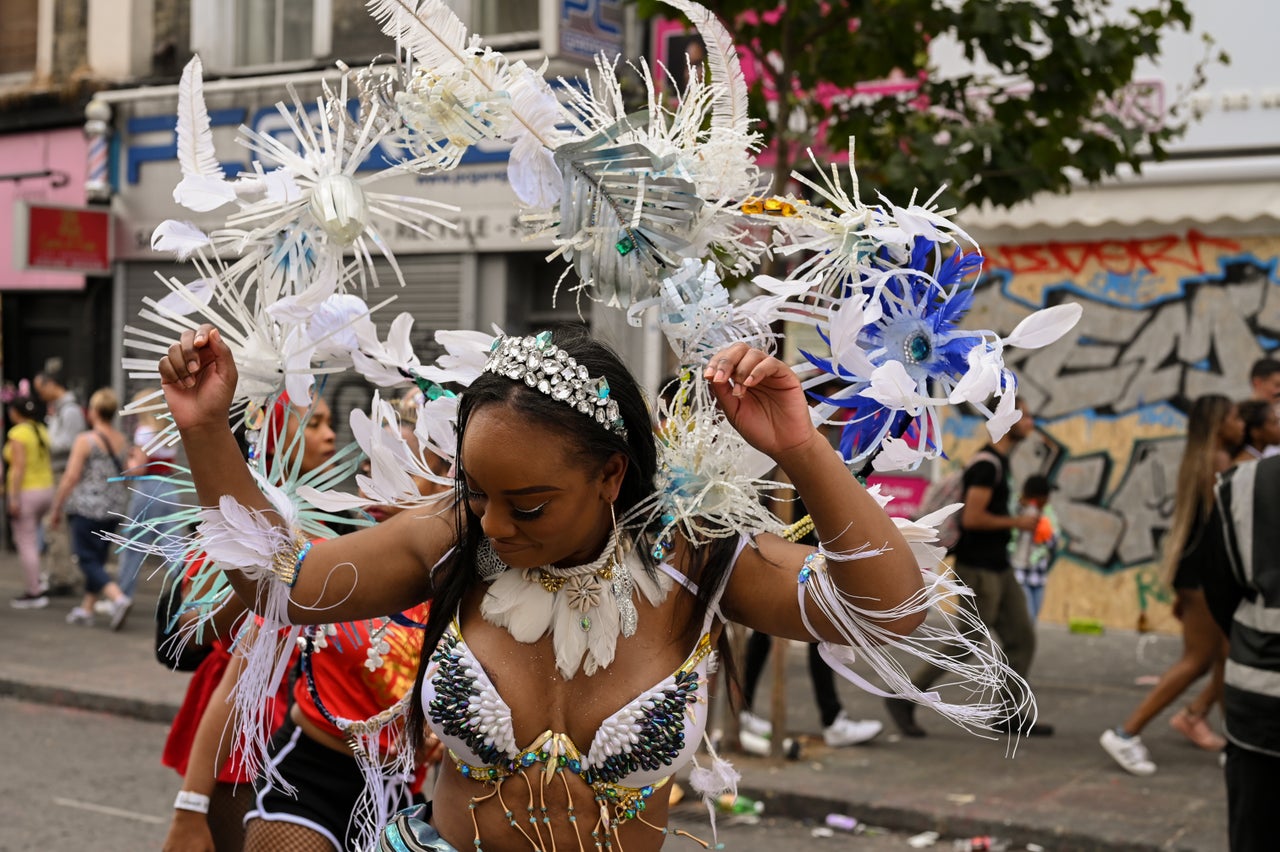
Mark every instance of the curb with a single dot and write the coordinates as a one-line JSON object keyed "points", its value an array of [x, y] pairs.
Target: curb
{"points": [[133, 708], [814, 809]]}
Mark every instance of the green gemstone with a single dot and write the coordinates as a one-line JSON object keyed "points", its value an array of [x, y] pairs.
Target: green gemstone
{"points": [[602, 389], [918, 348], [493, 347], [625, 246], [585, 622], [543, 339]]}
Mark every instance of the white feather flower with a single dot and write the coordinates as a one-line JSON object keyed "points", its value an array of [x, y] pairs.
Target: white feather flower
{"points": [[391, 362], [393, 466]]}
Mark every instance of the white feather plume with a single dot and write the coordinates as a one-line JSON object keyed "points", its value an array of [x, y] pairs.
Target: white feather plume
{"points": [[195, 139], [181, 238], [729, 109]]}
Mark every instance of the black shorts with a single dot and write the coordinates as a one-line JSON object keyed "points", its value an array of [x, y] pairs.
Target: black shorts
{"points": [[328, 785]]}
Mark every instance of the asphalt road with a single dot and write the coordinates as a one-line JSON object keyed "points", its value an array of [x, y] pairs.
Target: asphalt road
{"points": [[74, 780]]}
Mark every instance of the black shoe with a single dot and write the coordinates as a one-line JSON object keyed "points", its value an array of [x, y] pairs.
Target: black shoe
{"points": [[1036, 729], [903, 714]]}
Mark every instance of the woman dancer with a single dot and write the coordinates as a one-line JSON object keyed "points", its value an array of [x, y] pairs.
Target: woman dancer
{"points": [[1214, 433], [217, 787], [566, 700], [93, 499], [29, 494]]}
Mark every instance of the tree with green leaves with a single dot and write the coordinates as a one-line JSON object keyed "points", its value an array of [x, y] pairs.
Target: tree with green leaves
{"points": [[1032, 94]]}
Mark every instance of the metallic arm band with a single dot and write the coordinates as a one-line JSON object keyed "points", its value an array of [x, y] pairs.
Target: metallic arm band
{"points": [[288, 563]]}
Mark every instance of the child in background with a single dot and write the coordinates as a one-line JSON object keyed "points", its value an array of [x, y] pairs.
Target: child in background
{"points": [[1032, 553]]}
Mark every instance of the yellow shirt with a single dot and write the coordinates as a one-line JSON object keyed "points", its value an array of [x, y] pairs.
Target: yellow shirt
{"points": [[37, 472]]}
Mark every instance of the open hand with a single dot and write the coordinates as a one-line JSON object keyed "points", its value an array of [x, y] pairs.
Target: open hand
{"points": [[761, 397]]}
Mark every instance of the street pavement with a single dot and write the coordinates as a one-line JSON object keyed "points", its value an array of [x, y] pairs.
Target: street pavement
{"points": [[1061, 792]]}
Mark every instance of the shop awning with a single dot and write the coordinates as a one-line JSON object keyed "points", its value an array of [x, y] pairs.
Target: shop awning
{"points": [[1243, 191]]}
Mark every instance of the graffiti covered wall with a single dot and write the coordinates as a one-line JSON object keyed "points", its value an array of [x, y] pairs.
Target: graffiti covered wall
{"points": [[1165, 320]]}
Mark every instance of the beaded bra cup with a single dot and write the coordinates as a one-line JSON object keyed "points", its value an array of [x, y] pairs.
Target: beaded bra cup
{"points": [[633, 753]]}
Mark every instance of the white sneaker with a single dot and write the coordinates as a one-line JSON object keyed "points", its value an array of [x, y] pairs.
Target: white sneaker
{"points": [[753, 743], [103, 607], [80, 616], [120, 611], [846, 732], [1129, 752], [754, 724]]}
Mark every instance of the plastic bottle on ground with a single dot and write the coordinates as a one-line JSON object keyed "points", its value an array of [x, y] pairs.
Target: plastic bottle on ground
{"points": [[739, 804], [844, 822]]}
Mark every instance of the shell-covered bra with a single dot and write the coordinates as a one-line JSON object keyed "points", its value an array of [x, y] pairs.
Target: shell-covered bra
{"points": [[635, 750]]}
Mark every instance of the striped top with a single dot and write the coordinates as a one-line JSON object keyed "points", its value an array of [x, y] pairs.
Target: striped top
{"points": [[1242, 585]]}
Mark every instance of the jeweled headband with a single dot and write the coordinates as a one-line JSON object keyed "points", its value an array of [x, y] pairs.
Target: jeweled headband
{"points": [[552, 371]]}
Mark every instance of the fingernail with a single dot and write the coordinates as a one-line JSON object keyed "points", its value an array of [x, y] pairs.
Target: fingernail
{"points": [[719, 376], [199, 338], [192, 366], [189, 382]]}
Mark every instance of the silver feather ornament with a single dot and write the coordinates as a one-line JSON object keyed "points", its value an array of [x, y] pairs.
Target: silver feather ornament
{"points": [[626, 215]]}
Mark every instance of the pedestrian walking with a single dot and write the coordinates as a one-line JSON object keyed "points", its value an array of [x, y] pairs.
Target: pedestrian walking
{"points": [[838, 728], [1214, 434], [65, 420], [1264, 379], [1032, 552], [1261, 430], [1241, 584], [152, 489], [982, 564], [94, 500], [28, 494]]}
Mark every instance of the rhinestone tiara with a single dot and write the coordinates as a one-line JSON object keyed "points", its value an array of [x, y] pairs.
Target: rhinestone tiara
{"points": [[551, 370]]}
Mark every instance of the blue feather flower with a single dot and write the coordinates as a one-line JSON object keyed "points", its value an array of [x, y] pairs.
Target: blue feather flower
{"points": [[908, 316]]}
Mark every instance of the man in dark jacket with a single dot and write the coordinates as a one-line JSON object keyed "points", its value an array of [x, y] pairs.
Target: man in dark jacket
{"points": [[1242, 586]]}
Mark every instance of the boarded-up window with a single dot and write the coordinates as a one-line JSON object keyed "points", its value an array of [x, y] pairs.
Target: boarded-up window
{"points": [[19, 28]]}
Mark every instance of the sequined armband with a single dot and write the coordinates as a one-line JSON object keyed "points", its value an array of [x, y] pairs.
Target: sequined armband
{"points": [[288, 563]]}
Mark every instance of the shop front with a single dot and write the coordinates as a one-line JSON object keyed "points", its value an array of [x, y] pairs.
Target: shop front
{"points": [[55, 289]]}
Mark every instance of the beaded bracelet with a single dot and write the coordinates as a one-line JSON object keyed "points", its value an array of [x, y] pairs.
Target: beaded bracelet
{"points": [[799, 529]]}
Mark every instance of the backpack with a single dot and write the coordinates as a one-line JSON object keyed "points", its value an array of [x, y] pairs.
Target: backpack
{"points": [[949, 491]]}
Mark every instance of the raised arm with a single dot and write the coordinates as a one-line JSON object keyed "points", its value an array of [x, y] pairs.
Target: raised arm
{"points": [[372, 572], [763, 400]]}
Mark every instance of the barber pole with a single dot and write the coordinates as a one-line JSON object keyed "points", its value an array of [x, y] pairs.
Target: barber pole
{"points": [[97, 128]]}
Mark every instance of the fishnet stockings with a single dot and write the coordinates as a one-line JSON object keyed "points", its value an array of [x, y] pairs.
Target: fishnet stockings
{"points": [[261, 835], [227, 807]]}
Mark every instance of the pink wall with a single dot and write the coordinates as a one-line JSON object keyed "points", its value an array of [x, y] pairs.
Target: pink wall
{"points": [[57, 150]]}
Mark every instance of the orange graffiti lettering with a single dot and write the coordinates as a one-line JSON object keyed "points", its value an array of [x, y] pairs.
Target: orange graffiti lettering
{"points": [[1167, 254]]}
